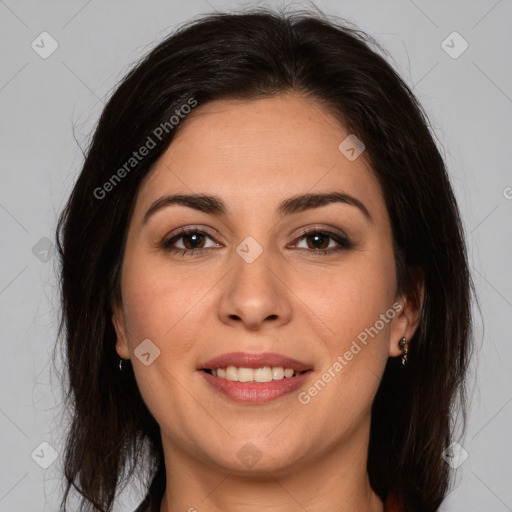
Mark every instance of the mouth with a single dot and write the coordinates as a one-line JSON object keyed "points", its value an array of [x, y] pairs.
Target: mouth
{"points": [[255, 378], [250, 367], [262, 374]]}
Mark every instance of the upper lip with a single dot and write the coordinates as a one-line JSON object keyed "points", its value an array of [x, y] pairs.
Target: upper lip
{"points": [[248, 360]]}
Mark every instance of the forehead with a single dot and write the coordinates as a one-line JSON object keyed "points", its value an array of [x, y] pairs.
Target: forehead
{"points": [[260, 150]]}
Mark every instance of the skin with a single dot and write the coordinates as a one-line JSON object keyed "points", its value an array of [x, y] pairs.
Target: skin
{"points": [[253, 155]]}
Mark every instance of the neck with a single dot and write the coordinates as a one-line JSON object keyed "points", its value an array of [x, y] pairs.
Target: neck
{"points": [[337, 476]]}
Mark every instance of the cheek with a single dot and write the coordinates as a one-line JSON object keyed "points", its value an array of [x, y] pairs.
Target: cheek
{"points": [[155, 308], [354, 307], [354, 301], [155, 298], [350, 297], [170, 308]]}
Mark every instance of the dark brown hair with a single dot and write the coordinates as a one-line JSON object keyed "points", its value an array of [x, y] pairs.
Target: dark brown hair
{"points": [[249, 55]]}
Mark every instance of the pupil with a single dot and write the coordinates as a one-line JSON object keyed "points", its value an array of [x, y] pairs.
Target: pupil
{"points": [[321, 239], [195, 238]]}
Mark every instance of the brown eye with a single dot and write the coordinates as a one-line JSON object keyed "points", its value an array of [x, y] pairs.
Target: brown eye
{"points": [[189, 242], [323, 242], [193, 240], [318, 241]]}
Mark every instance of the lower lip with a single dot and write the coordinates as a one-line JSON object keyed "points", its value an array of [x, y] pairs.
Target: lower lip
{"points": [[256, 392]]}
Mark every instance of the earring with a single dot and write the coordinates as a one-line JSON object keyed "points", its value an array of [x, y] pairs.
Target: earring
{"points": [[120, 364], [403, 344]]}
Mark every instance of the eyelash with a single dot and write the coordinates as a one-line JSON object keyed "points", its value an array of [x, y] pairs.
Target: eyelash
{"points": [[343, 242]]}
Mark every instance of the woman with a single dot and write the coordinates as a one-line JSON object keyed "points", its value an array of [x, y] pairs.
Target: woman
{"points": [[264, 278]]}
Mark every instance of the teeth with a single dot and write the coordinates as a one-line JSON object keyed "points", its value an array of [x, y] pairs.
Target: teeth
{"points": [[277, 373], [264, 374], [244, 374]]}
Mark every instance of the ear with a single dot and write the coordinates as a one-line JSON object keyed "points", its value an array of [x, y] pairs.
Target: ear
{"points": [[118, 322], [408, 309]]}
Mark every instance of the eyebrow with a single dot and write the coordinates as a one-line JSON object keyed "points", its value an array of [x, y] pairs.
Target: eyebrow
{"points": [[214, 205]]}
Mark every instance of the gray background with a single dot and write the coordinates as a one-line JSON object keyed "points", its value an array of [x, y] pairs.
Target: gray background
{"points": [[45, 103]]}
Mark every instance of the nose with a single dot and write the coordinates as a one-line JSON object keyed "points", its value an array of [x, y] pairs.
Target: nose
{"points": [[255, 294]]}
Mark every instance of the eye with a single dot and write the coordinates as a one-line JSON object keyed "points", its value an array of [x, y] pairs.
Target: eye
{"points": [[318, 241], [188, 241], [323, 241]]}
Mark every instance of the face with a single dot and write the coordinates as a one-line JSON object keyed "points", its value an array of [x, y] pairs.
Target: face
{"points": [[256, 273]]}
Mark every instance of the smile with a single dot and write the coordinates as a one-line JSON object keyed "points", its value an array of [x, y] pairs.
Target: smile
{"points": [[252, 391], [264, 374]]}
